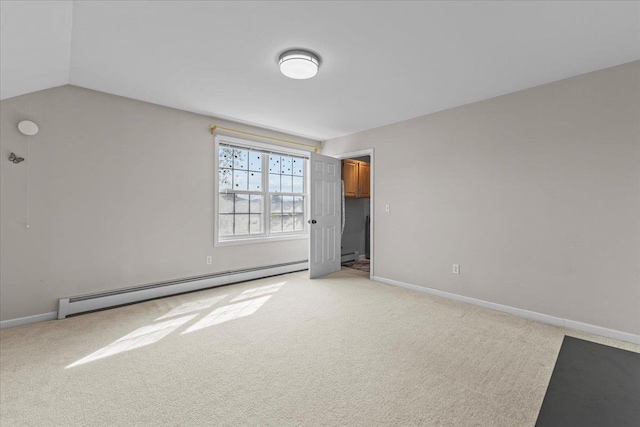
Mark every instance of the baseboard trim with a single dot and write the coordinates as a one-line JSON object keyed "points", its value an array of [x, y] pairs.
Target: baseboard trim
{"points": [[531, 315], [29, 319], [86, 303], [351, 256]]}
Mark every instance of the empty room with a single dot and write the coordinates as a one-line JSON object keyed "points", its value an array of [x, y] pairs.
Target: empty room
{"points": [[320, 213]]}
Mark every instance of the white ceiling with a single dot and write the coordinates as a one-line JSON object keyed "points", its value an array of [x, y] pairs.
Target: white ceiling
{"points": [[382, 62], [35, 46]]}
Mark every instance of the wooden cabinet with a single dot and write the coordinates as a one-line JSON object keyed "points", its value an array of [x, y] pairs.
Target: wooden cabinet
{"points": [[350, 178], [364, 180], [357, 179]]}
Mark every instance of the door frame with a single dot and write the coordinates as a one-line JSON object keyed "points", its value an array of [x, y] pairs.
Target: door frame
{"points": [[366, 152]]}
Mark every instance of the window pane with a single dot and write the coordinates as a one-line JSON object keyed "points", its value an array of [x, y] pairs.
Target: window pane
{"points": [[240, 180], [287, 204], [242, 224], [285, 165], [255, 181], [225, 157], [224, 182], [298, 184], [287, 223], [274, 164], [276, 204], [255, 204], [242, 214], [242, 203], [226, 203], [255, 223], [226, 224], [255, 161], [274, 183], [287, 183], [298, 167], [276, 223], [240, 159]]}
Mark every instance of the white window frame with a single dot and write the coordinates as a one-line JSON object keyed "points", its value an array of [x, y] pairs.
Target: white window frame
{"points": [[266, 236]]}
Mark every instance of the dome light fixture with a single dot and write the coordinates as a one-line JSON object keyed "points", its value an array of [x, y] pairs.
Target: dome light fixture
{"points": [[27, 127], [299, 64]]}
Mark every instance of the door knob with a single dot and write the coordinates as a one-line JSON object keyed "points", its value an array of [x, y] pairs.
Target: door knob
{"points": [[312, 221]]}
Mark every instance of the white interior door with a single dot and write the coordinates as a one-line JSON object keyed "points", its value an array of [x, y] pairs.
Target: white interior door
{"points": [[324, 241]]}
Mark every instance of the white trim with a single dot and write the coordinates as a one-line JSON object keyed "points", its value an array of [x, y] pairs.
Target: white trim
{"points": [[353, 256], [26, 320], [531, 315], [262, 239], [604, 332], [371, 153], [68, 306]]}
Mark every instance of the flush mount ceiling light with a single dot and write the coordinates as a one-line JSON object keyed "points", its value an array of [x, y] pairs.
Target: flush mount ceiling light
{"points": [[299, 64]]}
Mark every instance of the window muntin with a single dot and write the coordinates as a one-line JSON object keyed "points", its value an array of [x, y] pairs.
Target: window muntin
{"points": [[253, 204], [240, 214]]}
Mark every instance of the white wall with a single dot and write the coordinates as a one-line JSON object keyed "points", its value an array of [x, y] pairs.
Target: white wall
{"points": [[121, 195], [535, 194]]}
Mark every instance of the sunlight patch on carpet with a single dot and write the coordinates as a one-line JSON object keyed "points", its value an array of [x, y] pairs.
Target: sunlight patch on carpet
{"points": [[229, 312], [244, 305], [190, 307], [139, 338], [257, 292]]}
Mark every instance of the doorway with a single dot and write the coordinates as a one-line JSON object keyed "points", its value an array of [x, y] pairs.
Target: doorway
{"points": [[357, 233]]}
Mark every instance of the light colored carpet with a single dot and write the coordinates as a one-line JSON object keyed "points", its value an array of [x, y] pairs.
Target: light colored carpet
{"points": [[282, 351]]}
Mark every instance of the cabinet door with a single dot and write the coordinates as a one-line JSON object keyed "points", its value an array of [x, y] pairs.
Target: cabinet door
{"points": [[350, 177], [364, 180]]}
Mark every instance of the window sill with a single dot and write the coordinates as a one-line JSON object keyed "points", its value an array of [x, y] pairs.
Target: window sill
{"points": [[256, 240]]}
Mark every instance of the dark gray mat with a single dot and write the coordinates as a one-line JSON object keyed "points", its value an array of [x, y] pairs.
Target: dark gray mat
{"points": [[592, 385]]}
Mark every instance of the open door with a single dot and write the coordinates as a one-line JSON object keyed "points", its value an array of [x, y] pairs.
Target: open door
{"points": [[325, 218]]}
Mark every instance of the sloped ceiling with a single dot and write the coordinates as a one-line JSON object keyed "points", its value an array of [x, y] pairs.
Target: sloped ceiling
{"points": [[382, 62]]}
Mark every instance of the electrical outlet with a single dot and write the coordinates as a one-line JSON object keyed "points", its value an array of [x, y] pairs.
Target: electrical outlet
{"points": [[456, 269], [209, 260], [387, 208]]}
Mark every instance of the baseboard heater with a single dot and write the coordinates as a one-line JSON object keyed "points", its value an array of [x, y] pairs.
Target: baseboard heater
{"points": [[351, 256], [92, 302]]}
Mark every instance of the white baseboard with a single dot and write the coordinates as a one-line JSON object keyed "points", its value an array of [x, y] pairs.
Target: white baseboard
{"points": [[352, 256], [66, 306], [86, 303], [531, 315], [29, 319]]}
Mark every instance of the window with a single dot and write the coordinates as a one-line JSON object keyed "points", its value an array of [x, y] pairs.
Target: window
{"points": [[261, 192]]}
